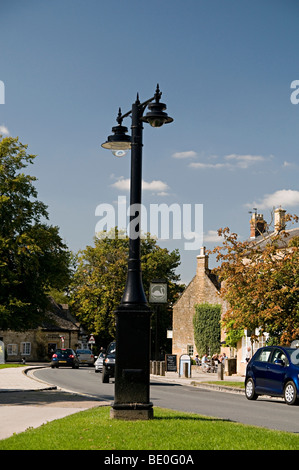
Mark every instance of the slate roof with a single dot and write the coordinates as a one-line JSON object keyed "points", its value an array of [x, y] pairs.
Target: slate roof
{"points": [[262, 240], [58, 318]]}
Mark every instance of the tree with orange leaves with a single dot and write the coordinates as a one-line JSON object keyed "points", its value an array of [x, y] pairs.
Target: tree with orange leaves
{"points": [[260, 282]]}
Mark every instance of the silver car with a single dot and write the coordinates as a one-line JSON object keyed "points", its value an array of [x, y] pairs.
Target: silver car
{"points": [[85, 356]]}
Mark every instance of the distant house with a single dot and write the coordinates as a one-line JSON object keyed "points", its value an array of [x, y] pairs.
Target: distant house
{"points": [[58, 329], [260, 237], [204, 287]]}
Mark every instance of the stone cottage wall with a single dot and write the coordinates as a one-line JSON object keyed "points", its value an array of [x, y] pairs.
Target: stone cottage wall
{"points": [[200, 290]]}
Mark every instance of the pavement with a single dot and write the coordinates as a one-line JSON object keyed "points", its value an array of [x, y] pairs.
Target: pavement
{"points": [[20, 410]]}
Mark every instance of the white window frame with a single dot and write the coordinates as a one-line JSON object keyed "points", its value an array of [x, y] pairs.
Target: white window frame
{"points": [[246, 343], [12, 349], [25, 349], [190, 349]]}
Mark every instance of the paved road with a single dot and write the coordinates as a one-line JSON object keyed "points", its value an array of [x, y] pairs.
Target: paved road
{"points": [[271, 413]]}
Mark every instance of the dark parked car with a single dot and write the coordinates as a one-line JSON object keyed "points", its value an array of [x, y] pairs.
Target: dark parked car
{"points": [[273, 371], [65, 357], [109, 363]]}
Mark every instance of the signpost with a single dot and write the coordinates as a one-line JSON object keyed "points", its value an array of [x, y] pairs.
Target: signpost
{"points": [[171, 365], [91, 340], [157, 295], [158, 292]]}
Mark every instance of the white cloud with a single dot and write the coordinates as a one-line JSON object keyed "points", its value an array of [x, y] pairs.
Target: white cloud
{"points": [[231, 162], [155, 186], [244, 161], [214, 166], [282, 197], [187, 154], [211, 236], [289, 164], [122, 184], [4, 130]]}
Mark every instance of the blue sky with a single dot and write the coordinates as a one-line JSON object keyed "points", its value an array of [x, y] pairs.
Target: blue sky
{"points": [[225, 68]]}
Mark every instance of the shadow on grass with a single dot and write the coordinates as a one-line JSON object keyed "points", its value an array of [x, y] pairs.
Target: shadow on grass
{"points": [[191, 418]]}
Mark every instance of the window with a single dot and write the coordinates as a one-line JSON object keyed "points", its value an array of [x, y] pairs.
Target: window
{"points": [[279, 355], [263, 355], [12, 349], [190, 349], [25, 349]]}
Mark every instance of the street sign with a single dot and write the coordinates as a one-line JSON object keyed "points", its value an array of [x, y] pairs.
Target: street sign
{"points": [[91, 340], [158, 292]]}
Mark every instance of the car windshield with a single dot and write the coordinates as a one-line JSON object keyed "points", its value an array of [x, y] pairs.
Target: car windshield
{"points": [[83, 351], [294, 355], [111, 349], [64, 351]]}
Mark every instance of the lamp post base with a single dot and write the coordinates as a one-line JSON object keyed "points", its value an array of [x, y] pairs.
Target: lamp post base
{"points": [[132, 412], [132, 374]]}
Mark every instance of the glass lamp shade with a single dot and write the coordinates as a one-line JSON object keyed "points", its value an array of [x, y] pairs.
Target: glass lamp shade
{"points": [[119, 143], [119, 153], [156, 116]]}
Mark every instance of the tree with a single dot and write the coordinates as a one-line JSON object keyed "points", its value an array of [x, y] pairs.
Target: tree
{"points": [[100, 277], [33, 258], [260, 282], [206, 322]]}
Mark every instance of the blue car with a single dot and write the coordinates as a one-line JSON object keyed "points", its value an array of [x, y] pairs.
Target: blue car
{"points": [[273, 371], [65, 357]]}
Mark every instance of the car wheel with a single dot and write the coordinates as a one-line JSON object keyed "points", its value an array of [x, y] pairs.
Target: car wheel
{"points": [[290, 394], [250, 390]]}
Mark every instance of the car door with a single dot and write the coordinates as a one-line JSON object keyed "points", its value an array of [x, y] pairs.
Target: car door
{"points": [[259, 369], [276, 371]]}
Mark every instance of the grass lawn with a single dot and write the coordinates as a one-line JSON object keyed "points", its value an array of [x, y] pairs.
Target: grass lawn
{"points": [[225, 384], [169, 430], [6, 366]]}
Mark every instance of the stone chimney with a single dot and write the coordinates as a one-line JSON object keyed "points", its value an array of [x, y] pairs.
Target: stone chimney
{"points": [[202, 261], [257, 225], [279, 219]]}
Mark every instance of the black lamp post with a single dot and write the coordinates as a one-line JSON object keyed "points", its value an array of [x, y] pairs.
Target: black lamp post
{"points": [[132, 382]]}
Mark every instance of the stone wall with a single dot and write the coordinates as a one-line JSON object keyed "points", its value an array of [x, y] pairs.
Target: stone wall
{"points": [[201, 289], [39, 343]]}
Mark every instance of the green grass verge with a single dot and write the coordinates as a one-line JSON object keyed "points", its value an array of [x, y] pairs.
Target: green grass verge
{"points": [[240, 385], [93, 429], [6, 366]]}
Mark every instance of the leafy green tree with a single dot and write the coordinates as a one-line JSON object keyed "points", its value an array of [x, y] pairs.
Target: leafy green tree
{"points": [[207, 330], [33, 258], [100, 277]]}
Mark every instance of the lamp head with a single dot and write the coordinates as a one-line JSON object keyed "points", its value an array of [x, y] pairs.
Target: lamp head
{"points": [[156, 116], [118, 142]]}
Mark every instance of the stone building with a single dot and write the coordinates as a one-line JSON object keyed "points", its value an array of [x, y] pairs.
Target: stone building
{"points": [[204, 287], [58, 329]]}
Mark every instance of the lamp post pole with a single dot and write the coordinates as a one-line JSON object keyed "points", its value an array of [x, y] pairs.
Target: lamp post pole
{"points": [[132, 375]]}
